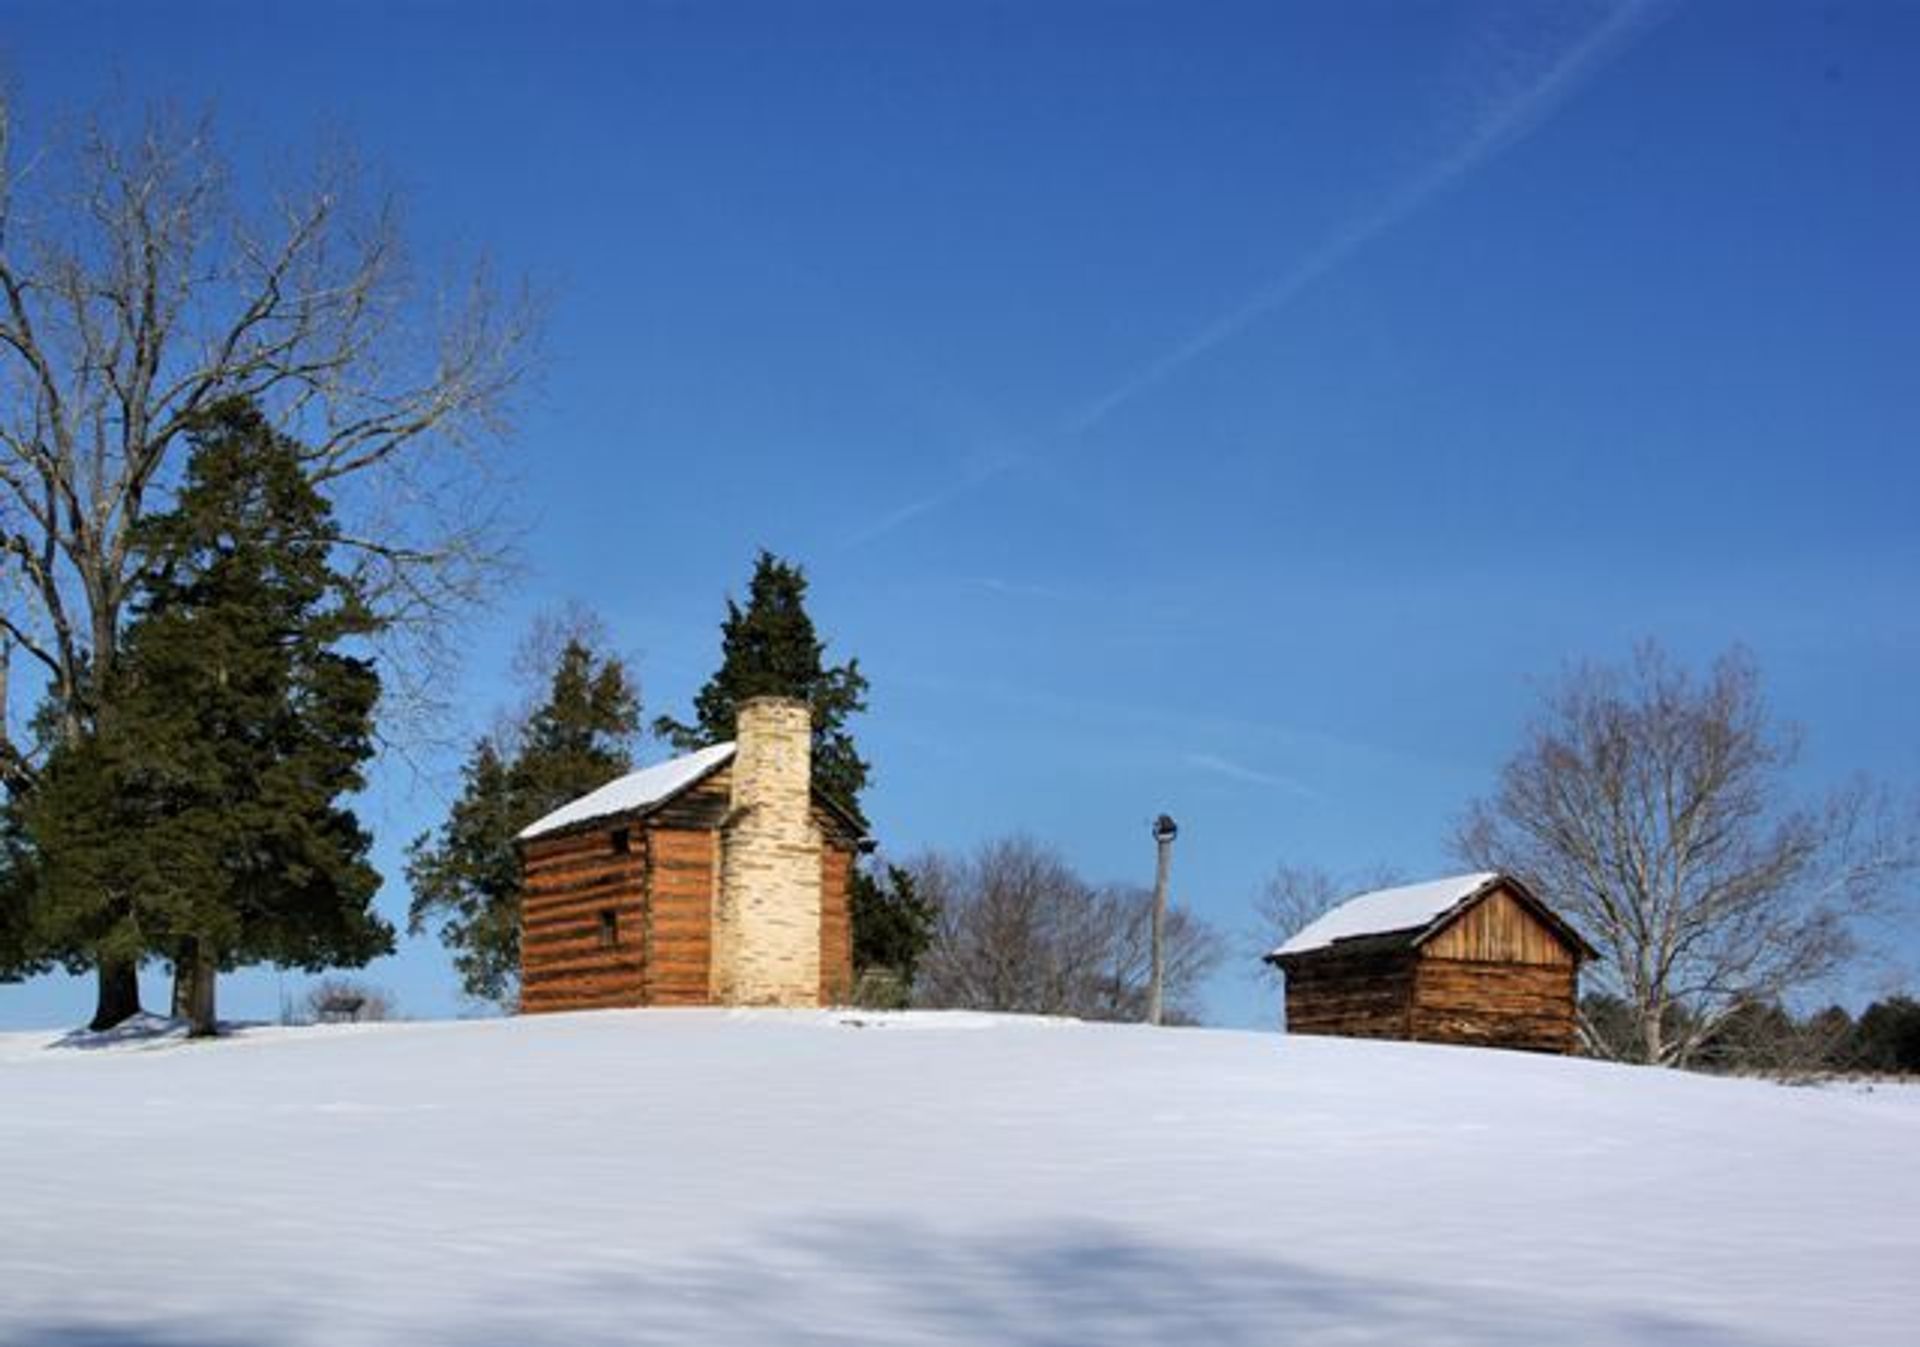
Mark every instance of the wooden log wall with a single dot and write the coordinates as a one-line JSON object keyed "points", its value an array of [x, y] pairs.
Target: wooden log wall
{"points": [[569, 882], [1366, 996], [1497, 1005], [661, 892], [702, 806], [680, 916], [836, 925]]}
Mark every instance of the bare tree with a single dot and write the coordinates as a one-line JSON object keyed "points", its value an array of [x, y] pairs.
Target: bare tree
{"points": [[1652, 809], [337, 1000], [135, 295], [1295, 896], [1020, 931], [1193, 950], [538, 653]]}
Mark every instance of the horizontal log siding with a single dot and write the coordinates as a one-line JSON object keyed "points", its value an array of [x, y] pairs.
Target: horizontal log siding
{"points": [[1498, 1005], [836, 925], [568, 881], [662, 894], [680, 912], [1498, 929], [1368, 997], [700, 808]]}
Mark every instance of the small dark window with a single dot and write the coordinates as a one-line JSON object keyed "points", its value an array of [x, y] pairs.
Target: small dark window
{"points": [[609, 929], [622, 841]]}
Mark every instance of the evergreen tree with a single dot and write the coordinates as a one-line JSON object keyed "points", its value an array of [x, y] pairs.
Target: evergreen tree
{"points": [[202, 819], [893, 926], [465, 876], [1887, 1036], [769, 648], [18, 955]]}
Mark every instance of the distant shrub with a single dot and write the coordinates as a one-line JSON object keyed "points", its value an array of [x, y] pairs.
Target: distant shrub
{"points": [[348, 1001]]}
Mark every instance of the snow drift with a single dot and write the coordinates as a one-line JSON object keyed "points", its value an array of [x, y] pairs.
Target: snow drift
{"points": [[732, 1178]]}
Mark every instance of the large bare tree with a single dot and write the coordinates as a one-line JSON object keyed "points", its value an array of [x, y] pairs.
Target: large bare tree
{"points": [[1019, 930], [1652, 808], [137, 290]]}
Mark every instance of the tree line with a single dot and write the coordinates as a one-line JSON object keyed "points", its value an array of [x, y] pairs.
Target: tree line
{"points": [[1760, 1037]]}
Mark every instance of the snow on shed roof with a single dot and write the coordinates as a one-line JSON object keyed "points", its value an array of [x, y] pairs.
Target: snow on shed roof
{"points": [[633, 792], [1406, 908]]}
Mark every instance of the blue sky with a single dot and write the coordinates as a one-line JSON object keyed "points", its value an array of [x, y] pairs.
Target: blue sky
{"points": [[1236, 410]]}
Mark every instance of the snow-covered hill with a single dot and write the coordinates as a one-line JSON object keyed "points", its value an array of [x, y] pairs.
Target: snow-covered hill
{"points": [[714, 1177]]}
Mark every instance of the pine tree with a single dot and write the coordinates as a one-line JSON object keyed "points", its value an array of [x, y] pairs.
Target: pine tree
{"points": [[18, 956], [465, 876], [769, 648], [203, 819], [893, 926]]}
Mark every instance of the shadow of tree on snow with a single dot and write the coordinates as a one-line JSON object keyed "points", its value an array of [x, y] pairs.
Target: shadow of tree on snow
{"points": [[883, 1282], [888, 1282]]}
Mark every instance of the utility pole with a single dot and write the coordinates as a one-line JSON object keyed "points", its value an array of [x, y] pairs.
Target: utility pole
{"points": [[1164, 831]]}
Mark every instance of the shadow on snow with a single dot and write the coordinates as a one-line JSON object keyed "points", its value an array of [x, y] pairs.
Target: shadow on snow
{"points": [[885, 1282]]}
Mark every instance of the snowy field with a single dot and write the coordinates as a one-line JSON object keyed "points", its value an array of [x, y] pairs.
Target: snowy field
{"points": [[712, 1177]]}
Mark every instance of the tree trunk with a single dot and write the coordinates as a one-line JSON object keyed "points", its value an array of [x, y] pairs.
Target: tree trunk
{"points": [[1653, 1040], [183, 975], [119, 994], [193, 983]]}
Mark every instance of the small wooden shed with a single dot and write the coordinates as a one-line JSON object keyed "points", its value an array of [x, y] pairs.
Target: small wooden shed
{"points": [[718, 878], [1474, 959]]}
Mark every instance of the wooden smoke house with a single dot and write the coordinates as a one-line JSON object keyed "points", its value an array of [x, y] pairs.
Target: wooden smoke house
{"points": [[1475, 959], [719, 878]]}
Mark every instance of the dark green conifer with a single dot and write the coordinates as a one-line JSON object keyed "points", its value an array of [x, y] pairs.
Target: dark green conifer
{"points": [[770, 648], [19, 955], [893, 926], [202, 820], [465, 876]]}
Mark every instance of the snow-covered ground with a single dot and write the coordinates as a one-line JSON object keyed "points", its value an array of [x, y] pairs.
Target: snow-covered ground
{"points": [[715, 1177]]}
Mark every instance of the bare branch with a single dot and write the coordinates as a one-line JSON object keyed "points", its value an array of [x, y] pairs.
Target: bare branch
{"points": [[135, 294]]}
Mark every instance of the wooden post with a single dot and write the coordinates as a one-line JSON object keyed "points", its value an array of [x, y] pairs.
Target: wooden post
{"points": [[1164, 831]]}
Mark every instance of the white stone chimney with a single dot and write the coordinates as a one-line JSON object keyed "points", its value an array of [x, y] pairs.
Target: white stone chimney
{"points": [[766, 925]]}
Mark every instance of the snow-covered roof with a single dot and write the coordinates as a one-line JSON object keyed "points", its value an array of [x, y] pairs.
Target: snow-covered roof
{"points": [[634, 791], [1407, 908]]}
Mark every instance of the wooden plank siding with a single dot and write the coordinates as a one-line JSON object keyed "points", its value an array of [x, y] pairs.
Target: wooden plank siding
{"points": [[1498, 929], [680, 925], [1354, 997], [1495, 1005], [1497, 974], [836, 925]]}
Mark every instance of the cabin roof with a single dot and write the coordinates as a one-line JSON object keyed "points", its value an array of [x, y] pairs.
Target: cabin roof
{"points": [[635, 792], [1408, 915], [642, 791]]}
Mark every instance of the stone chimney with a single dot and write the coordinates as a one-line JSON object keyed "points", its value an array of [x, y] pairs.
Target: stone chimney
{"points": [[766, 926]]}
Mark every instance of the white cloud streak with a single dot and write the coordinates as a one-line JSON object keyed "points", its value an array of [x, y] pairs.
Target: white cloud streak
{"points": [[1508, 121], [1236, 771]]}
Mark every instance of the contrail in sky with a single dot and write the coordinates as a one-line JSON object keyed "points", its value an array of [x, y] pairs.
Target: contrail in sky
{"points": [[1508, 122]]}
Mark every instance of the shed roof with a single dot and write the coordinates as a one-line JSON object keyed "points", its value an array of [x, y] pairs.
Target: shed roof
{"points": [[1416, 911], [1409, 907], [634, 792]]}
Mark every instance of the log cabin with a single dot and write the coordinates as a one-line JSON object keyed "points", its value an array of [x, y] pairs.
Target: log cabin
{"points": [[1475, 959], [718, 878]]}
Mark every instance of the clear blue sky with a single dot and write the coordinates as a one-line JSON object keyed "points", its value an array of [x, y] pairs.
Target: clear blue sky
{"points": [[1232, 410]]}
